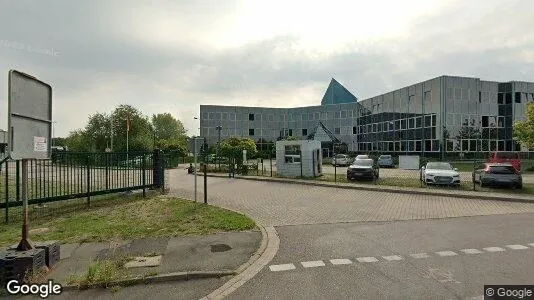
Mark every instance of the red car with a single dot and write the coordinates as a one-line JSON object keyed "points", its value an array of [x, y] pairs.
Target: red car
{"points": [[506, 157]]}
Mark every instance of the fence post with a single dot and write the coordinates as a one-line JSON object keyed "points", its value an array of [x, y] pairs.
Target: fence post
{"points": [[335, 169], [271, 163], [143, 168], [473, 178], [7, 192], [17, 180], [206, 182], [107, 170], [88, 180], [300, 154]]}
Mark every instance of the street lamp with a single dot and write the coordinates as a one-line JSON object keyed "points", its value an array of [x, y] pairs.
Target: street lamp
{"points": [[53, 142]]}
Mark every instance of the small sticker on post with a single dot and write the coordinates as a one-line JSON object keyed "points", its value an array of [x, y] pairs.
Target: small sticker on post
{"points": [[40, 144]]}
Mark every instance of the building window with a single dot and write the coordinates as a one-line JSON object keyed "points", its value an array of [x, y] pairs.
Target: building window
{"points": [[508, 98], [292, 154], [251, 117], [251, 131], [304, 132], [354, 130], [290, 132], [517, 97], [343, 114], [337, 115], [337, 130]]}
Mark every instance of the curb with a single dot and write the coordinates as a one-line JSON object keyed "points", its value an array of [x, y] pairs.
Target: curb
{"points": [[258, 253], [177, 276], [385, 189]]}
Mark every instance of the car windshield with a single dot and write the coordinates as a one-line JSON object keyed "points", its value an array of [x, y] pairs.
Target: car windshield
{"points": [[340, 156], [362, 157], [439, 166], [364, 162], [502, 170], [385, 157]]}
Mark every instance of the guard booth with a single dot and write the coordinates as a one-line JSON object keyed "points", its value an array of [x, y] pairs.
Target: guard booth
{"points": [[299, 158]]}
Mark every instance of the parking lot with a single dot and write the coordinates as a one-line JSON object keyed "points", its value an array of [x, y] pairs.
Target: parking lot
{"points": [[465, 177]]}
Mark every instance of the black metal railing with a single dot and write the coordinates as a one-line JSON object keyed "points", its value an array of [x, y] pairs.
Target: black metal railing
{"points": [[70, 175]]}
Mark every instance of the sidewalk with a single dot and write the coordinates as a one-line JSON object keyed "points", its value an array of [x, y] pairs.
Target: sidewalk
{"points": [[394, 189], [203, 256]]}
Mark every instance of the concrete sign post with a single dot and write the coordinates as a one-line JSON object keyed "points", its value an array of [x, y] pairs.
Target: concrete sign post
{"points": [[30, 129]]}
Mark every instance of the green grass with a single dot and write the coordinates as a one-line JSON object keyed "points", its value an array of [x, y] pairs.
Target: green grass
{"points": [[103, 272], [127, 217]]}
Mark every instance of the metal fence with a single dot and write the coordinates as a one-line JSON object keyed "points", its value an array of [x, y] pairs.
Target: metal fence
{"points": [[297, 165], [72, 175]]}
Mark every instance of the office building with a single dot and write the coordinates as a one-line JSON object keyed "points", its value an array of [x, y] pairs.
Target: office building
{"points": [[447, 114]]}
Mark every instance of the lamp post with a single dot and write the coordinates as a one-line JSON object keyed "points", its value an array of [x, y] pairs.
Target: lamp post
{"points": [[53, 131]]}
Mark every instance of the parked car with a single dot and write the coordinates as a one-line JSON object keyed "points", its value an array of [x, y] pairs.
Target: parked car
{"points": [[361, 156], [498, 174], [506, 157], [341, 160], [362, 169], [386, 161], [441, 173]]}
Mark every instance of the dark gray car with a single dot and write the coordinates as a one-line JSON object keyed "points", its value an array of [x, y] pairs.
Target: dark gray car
{"points": [[498, 174], [362, 169]]}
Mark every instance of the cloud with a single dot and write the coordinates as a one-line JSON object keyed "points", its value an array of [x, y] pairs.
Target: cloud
{"points": [[172, 56]]}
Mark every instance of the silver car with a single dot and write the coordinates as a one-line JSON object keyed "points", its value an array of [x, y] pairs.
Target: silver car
{"points": [[341, 160], [498, 174], [386, 161]]}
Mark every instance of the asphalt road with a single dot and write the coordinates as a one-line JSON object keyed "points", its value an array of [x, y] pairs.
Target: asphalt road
{"points": [[186, 290], [399, 260]]}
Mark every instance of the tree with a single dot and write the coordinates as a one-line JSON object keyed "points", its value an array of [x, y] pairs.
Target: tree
{"points": [[524, 129], [98, 131], [168, 131], [233, 147], [77, 141], [140, 137]]}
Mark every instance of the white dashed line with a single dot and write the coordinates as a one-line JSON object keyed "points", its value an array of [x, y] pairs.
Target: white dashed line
{"points": [[313, 264], [495, 249], [531, 244], [446, 253], [516, 247], [420, 255], [284, 267], [392, 257], [341, 261], [366, 259], [471, 251]]}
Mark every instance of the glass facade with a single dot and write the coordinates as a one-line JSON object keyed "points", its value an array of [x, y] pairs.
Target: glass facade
{"points": [[440, 115]]}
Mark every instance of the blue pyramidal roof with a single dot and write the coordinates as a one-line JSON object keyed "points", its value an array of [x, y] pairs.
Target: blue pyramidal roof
{"points": [[336, 94]]}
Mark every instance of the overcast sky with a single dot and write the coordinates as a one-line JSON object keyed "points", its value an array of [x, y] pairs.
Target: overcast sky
{"points": [[171, 56]]}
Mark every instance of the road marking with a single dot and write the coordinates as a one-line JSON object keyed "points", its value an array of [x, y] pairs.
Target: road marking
{"points": [[341, 261], [313, 264], [420, 255], [516, 247], [366, 259], [531, 244], [392, 257], [446, 253], [494, 249], [284, 267], [471, 251]]}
